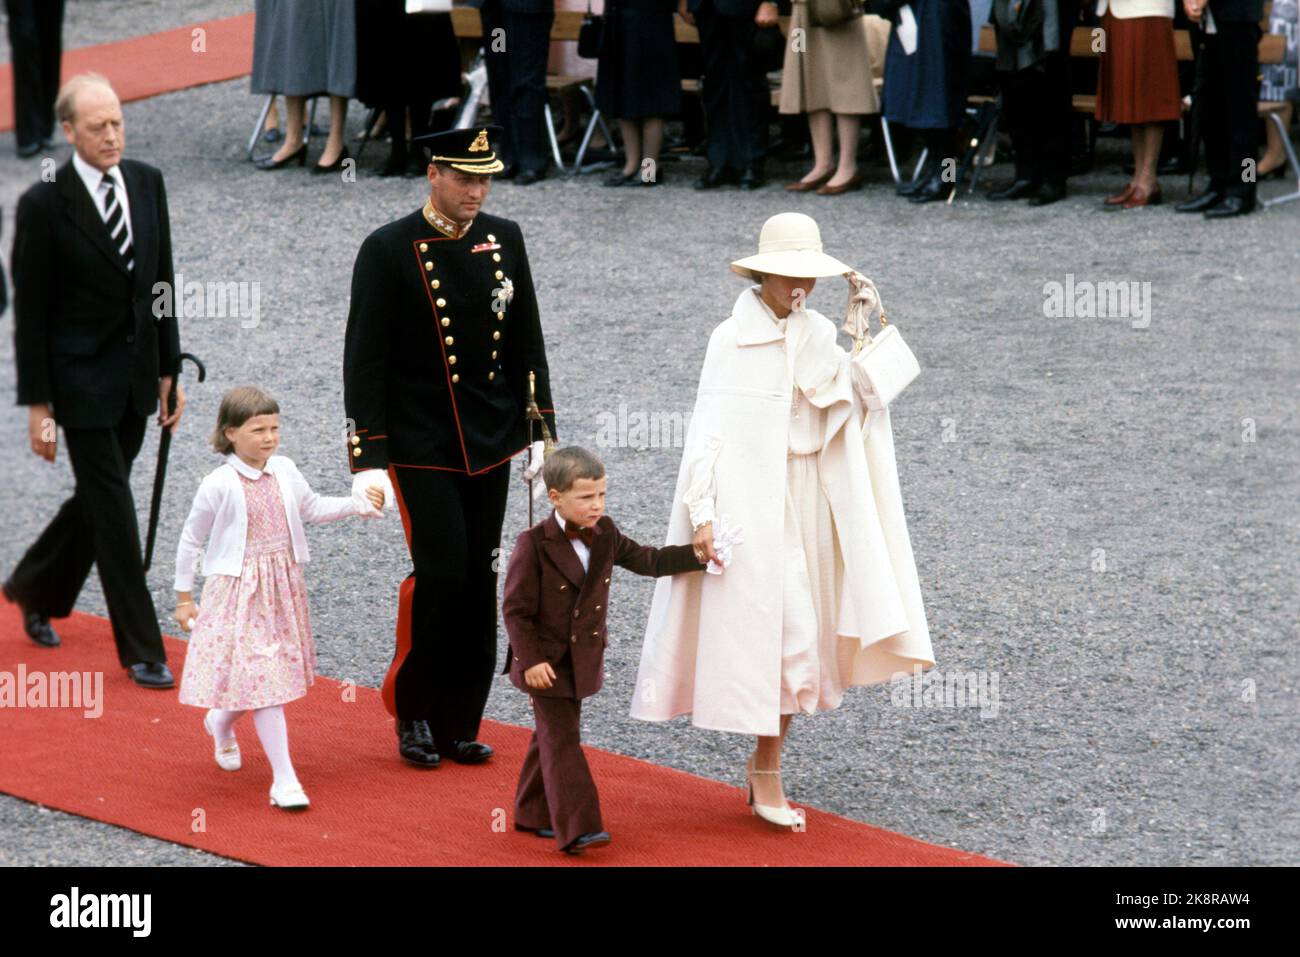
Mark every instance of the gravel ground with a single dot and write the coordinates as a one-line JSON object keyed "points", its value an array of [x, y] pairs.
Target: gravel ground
{"points": [[1091, 530]]}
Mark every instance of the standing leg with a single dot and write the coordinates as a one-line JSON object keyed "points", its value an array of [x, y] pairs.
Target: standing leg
{"points": [[1240, 78], [51, 54], [531, 809], [1214, 114], [338, 130], [499, 81], [570, 790], [28, 73], [530, 36], [848, 126], [273, 732]]}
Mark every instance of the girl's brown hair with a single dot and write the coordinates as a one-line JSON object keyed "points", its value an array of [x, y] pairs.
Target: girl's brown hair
{"points": [[239, 405]]}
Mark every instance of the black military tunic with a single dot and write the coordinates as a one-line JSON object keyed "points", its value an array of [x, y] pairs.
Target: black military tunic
{"points": [[441, 336]]}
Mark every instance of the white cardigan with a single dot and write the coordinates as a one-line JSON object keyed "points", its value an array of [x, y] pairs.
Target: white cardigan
{"points": [[1128, 9], [219, 509]]}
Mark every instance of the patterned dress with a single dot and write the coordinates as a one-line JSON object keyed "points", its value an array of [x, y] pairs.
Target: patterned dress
{"points": [[251, 645]]}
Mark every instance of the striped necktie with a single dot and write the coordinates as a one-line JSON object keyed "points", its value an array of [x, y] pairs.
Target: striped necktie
{"points": [[115, 220]]}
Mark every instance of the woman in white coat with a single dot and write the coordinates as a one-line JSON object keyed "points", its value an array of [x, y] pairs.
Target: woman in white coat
{"points": [[788, 448]]}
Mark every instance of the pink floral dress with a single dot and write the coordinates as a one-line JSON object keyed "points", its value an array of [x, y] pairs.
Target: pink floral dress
{"points": [[251, 644]]}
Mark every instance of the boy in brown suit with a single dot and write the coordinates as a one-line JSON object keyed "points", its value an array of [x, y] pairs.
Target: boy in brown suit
{"points": [[556, 600]]}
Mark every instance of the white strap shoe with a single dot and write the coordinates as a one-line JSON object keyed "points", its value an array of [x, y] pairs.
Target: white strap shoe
{"points": [[291, 797], [780, 816], [227, 755]]}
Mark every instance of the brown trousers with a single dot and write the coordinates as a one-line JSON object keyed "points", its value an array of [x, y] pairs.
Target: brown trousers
{"points": [[555, 785]]}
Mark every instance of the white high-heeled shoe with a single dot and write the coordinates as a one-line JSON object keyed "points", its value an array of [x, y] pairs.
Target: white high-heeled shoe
{"points": [[780, 816], [291, 797], [227, 756]]}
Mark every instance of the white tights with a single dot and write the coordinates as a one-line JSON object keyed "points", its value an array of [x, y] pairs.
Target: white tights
{"points": [[272, 731]]}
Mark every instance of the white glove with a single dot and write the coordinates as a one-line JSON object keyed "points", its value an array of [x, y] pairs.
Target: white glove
{"points": [[533, 468], [725, 537], [376, 478]]}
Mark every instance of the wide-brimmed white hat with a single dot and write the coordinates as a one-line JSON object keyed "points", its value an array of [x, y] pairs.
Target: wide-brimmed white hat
{"points": [[790, 244]]}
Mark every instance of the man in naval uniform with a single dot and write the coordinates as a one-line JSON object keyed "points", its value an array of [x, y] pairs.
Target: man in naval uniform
{"points": [[442, 334]]}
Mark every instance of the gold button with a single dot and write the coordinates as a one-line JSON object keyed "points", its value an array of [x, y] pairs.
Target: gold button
{"points": [[575, 612], [424, 247], [446, 317], [428, 265], [436, 283], [500, 274], [573, 639], [497, 334], [494, 353], [441, 302], [446, 321], [455, 378], [496, 257], [595, 634], [449, 340], [491, 376], [562, 587], [356, 440], [451, 360], [597, 608], [491, 238], [606, 581], [501, 315], [356, 453]]}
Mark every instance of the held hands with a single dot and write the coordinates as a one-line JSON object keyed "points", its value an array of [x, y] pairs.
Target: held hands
{"points": [[540, 675], [373, 489], [716, 551]]}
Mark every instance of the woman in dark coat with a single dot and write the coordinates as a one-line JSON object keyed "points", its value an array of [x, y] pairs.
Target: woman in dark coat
{"points": [[637, 81], [926, 90], [405, 61]]}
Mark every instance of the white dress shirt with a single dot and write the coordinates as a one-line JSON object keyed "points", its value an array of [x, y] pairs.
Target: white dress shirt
{"points": [[94, 181], [579, 546]]}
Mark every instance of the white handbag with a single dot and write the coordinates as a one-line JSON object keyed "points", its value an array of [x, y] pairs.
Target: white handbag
{"points": [[884, 358], [428, 6]]}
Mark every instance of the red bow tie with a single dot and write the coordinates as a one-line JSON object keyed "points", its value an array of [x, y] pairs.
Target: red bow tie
{"points": [[573, 531]]}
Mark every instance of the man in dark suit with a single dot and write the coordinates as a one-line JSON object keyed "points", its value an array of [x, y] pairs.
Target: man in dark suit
{"points": [[1228, 112], [555, 608], [36, 45], [517, 40], [442, 334], [89, 248], [735, 90]]}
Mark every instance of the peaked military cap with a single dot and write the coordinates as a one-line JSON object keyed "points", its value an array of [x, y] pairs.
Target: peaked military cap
{"points": [[469, 150]]}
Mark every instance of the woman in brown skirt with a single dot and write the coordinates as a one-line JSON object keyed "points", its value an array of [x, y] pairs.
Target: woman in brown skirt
{"points": [[1137, 84], [827, 72]]}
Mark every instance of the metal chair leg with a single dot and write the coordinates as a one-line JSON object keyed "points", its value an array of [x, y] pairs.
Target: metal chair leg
{"points": [[889, 149], [597, 120], [261, 122], [555, 143], [1290, 158]]}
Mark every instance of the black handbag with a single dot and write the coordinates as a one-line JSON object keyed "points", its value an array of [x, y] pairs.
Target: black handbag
{"points": [[590, 34]]}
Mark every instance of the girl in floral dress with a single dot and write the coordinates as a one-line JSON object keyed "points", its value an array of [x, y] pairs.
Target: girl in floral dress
{"points": [[251, 646]]}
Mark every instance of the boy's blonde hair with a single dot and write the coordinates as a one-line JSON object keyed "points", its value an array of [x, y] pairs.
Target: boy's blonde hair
{"points": [[239, 405], [565, 466]]}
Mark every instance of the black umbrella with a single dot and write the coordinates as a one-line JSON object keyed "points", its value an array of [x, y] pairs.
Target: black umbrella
{"points": [[164, 446]]}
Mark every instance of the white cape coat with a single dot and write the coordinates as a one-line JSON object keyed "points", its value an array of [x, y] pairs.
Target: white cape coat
{"points": [[713, 642]]}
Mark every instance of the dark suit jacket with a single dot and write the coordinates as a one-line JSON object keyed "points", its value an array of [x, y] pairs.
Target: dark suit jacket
{"points": [[1226, 11], [85, 337], [432, 375], [728, 8], [554, 612]]}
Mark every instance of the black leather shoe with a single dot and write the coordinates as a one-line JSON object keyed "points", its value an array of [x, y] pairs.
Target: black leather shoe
{"points": [[152, 674], [1231, 206], [415, 744], [1017, 190], [28, 150], [337, 165], [619, 179], [527, 177], [714, 178], [1047, 194], [932, 190], [1199, 204], [752, 178], [393, 166], [467, 752], [580, 844], [298, 156], [539, 831], [36, 625]]}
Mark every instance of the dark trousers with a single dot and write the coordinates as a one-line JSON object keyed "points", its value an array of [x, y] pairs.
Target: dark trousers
{"points": [[555, 786], [1036, 112], [97, 526], [1229, 124], [36, 42], [735, 90], [517, 81], [453, 530]]}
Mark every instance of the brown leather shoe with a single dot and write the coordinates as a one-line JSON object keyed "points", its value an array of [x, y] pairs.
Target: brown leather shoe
{"points": [[1141, 197], [799, 186], [1119, 199], [852, 183]]}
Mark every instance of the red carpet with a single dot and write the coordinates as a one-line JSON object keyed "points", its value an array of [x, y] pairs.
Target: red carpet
{"points": [[146, 764], [156, 63]]}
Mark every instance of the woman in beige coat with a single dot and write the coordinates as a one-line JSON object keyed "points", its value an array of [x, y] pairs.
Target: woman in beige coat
{"points": [[827, 74], [789, 449]]}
